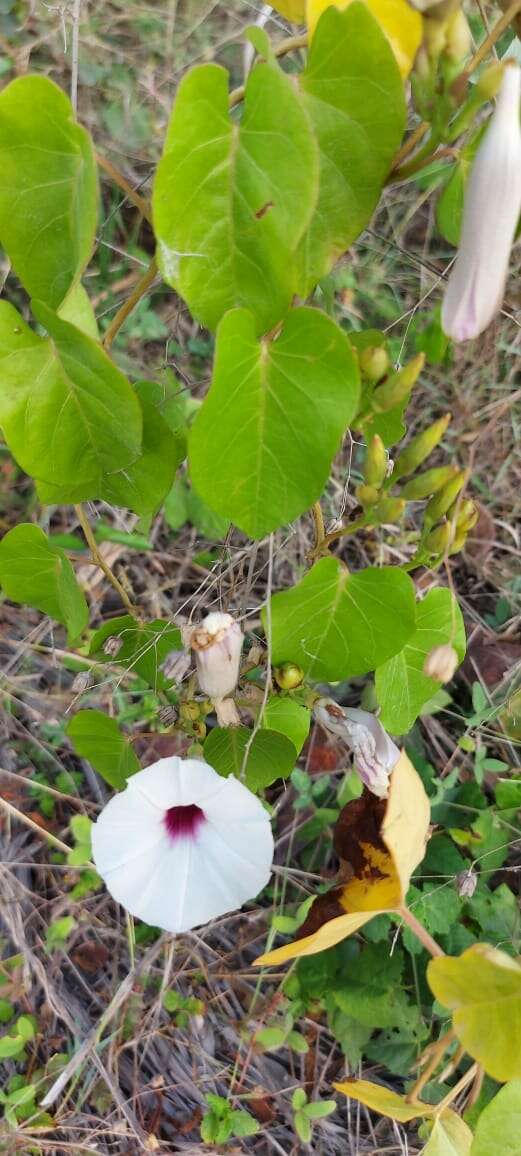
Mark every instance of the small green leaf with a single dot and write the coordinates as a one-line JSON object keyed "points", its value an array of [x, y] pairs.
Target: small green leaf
{"points": [[271, 755], [144, 646], [299, 1098], [231, 202], [318, 1110], [271, 1038], [243, 1124], [35, 571], [297, 1042], [68, 414], [6, 1011], [262, 444], [302, 1126], [58, 932], [11, 1046], [336, 625], [97, 737], [49, 189], [401, 686]]}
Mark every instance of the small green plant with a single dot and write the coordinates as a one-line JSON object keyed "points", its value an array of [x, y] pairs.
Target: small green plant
{"points": [[222, 1122], [306, 1112]]}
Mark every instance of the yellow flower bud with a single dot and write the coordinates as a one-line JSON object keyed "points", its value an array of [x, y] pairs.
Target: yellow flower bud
{"points": [[367, 495], [428, 483], [439, 539], [458, 38], [488, 83], [388, 510], [441, 663], [440, 503], [398, 386], [375, 465], [420, 447], [288, 676], [374, 363]]}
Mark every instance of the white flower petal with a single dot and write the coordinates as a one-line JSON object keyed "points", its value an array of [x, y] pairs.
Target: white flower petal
{"points": [[178, 881]]}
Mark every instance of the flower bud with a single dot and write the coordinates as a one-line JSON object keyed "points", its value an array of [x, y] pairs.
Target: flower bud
{"points": [[374, 363], [441, 502], [375, 465], [428, 483], [112, 646], [420, 447], [439, 539], [81, 682], [441, 663], [189, 711], [217, 644], [374, 753], [388, 510], [367, 495], [491, 211], [489, 81], [398, 386], [458, 40], [466, 883], [466, 516], [176, 665], [434, 37], [288, 676]]}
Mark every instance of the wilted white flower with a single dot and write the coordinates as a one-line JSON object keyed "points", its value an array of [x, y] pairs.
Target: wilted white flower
{"points": [[217, 644], [182, 845], [441, 663], [374, 753], [466, 883], [490, 215]]}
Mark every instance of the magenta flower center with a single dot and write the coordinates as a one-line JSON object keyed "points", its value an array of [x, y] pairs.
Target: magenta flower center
{"points": [[184, 822]]}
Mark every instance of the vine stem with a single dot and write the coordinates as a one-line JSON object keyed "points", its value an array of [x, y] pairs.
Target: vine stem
{"points": [[466, 1079], [122, 183], [98, 558], [420, 932], [320, 529], [141, 288], [285, 46]]}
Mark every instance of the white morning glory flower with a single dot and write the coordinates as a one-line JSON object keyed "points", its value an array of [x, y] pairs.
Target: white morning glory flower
{"points": [[490, 215], [374, 753], [182, 845]]}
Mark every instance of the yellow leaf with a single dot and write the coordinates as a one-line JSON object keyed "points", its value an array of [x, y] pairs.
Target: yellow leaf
{"points": [[382, 1100], [450, 1136], [294, 10], [400, 23], [482, 987], [379, 843]]}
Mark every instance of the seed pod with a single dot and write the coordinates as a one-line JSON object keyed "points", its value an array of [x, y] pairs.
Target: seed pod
{"points": [[375, 465], [289, 676], [439, 539], [428, 483], [217, 644], [82, 682], [466, 883], [441, 663], [440, 503], [112, 646], [388, 510], [367, 495], [374, 363], [168, 716], [398, 386], [420, 447]]}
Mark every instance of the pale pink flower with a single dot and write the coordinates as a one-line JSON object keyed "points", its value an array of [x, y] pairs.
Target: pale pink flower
{"points": [[374, 753], [490, 215], [217, 645]]}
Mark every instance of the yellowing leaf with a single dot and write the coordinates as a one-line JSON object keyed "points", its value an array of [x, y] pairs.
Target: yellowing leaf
{"points": [[380, 842], [382, 1100], [400, 23], [450, 1136], [482, 987], [294, 10]]}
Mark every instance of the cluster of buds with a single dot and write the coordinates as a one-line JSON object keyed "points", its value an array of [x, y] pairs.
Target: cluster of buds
{"points": [[217, 644], [384, 388], [446, 43]]}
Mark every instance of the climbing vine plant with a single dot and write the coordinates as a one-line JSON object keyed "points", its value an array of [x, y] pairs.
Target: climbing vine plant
{"points": [[259, 191]]}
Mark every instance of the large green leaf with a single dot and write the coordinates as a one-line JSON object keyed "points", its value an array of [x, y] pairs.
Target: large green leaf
{"points": [[144, 646], [401, 686], [231, 202], [68, 414], [498, 1130], [262, 444], [450, 1136], [271, 755], [354, 95], [36, 571], [336, 625], [144, 484], [48, 189], [288, 717], [97, 737]]}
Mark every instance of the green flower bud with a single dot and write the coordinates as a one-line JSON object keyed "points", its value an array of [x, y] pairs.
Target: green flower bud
{"points": [[440, 503], [489, 83], [375, 466], [439, 539], [458, 37], [189, 711], [466, 516], [367, 495], [420, 447], [374, 363], [398, 386], [388, 510], [458, 542], [288, 676], [428, 483]]}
